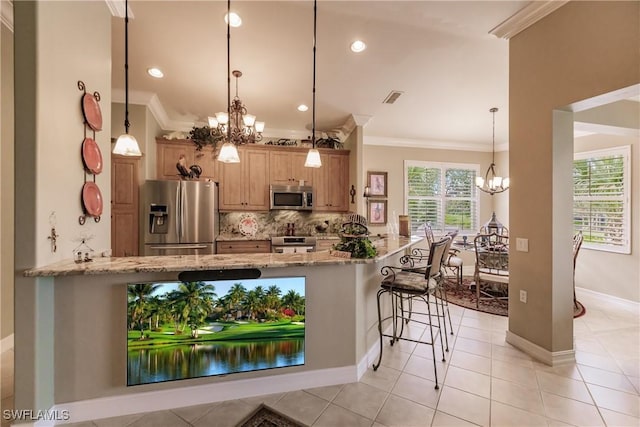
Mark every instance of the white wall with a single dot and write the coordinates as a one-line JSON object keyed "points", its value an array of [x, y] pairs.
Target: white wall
{"points": [[81, 52], [6, 184], [57, 43]]}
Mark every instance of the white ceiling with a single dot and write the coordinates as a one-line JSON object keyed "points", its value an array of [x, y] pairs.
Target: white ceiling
{"points": [[439, 53]]}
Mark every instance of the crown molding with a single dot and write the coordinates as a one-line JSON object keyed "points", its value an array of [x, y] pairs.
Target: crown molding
{"points": [[151, 101], [431, 144], [584, 129], [116, 7], [6, 13], [525, 17], [359, 120]]}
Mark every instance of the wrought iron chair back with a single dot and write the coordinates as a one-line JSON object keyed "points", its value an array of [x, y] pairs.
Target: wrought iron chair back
{"points": [[492, 265], [577, 244]]}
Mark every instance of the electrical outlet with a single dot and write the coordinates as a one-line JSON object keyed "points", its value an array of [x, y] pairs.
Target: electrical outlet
{"points": [[523, 296], [522, 245]]}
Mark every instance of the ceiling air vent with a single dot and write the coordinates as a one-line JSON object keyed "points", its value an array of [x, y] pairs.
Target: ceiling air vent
{"points": [[392, 97]]}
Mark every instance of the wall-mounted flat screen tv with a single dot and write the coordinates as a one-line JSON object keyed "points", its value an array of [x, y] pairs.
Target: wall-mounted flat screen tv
{"points": [[180, 330]]}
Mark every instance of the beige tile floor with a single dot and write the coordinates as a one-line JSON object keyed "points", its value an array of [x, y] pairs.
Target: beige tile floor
{"points": [[484, 381]]}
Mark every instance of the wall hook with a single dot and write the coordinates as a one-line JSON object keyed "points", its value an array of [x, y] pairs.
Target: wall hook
{"points": [[54, 238]]}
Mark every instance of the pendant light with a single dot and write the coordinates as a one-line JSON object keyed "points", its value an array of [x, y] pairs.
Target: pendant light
{"points": [[228, 151], [126, 145], [313, 156], [492, 183]]}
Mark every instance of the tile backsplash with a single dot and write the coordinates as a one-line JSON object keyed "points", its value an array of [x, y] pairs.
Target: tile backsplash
{"points": [[274, 223]]}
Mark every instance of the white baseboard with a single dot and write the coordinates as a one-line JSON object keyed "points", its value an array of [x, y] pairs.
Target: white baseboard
{"points": [[633, 305], [368, 359], [127, 404], [551, 358], [7, 343]]}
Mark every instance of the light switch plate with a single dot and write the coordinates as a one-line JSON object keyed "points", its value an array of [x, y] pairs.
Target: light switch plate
{"points": [[522, 245], [523, 296]]}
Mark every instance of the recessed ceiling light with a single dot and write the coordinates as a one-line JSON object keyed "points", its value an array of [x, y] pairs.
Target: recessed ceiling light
{"points": [[236, 21], [302, 107], [155, 72], [358, 46]]}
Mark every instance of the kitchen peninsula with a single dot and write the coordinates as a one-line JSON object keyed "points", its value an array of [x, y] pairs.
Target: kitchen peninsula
{"points": [[83, 307]]}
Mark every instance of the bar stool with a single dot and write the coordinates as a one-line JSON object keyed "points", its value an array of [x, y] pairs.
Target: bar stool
{"points": [[403, 286], [417, 262]]}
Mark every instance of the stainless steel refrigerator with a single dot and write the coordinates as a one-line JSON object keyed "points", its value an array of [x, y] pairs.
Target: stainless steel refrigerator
{"points": [[178, 217]]}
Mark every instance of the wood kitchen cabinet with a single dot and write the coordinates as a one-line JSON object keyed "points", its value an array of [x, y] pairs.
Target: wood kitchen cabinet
{"points": [[243, 246], [124, 205], [168, 152], [331, 183], [287, 168], [244, 186]]}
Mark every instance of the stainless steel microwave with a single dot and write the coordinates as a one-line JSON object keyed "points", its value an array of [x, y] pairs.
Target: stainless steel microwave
{"points": [[293, 197]]}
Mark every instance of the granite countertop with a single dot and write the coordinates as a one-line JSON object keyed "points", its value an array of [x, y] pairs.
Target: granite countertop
{"points": [[155, 264]]}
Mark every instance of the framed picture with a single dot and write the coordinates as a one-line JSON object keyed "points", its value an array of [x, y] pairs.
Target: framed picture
{"points": [[377, 182], [377, 212]]}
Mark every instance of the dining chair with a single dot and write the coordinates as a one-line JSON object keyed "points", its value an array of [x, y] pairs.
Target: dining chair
{"points": [[577, 243], [403, 286], [492, 267]]}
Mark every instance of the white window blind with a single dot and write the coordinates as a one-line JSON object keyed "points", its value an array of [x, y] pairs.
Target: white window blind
{"points": [[601, 198], [443, 194]]}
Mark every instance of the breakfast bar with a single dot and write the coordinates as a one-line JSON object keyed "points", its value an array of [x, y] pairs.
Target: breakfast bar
{"points": [[80, 332]]}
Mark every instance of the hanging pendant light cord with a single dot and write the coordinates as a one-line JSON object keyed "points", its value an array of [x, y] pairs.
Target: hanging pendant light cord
{"points": [[126, 66], [229, 70], [313, 117], [493, 145]]}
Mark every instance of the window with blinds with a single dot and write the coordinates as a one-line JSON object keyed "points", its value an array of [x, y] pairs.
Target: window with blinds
{"points": [[601, 199], [443, 194]]}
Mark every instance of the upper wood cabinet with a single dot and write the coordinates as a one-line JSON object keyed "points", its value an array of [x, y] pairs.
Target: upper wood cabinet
{"points": [[168, 152], [287, 168], [331, 183], [244, 186]]}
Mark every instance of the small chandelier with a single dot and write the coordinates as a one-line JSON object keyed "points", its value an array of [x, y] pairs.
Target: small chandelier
{"points": [[492, 183], [235, 125], [244, 127]]}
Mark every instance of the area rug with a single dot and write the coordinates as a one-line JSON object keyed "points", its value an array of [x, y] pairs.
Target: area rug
{"points": [[465, 296], [264, 416]]}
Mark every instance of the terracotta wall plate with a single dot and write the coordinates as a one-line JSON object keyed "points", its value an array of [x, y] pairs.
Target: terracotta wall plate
{"points": [[91, 111], [92, 199], [91, 156]]}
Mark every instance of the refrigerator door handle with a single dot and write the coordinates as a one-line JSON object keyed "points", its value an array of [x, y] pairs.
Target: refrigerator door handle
{"points": [[178, 210], [178, 247], [183, 203]]}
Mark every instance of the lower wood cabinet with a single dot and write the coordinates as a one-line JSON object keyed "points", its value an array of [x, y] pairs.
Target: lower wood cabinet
{"points": [[124, 205], [243, 246]]}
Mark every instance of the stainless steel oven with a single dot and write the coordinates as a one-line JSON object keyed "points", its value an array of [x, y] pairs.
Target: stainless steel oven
{"points": [[292, 197], [293, 244]]}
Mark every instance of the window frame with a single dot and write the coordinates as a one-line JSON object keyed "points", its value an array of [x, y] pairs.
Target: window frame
{"points": [[443, 166], [625, 152]]}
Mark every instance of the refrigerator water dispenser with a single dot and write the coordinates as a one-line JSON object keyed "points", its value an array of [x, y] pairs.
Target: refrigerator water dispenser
{"points": [[158, 219]]}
